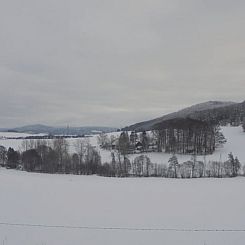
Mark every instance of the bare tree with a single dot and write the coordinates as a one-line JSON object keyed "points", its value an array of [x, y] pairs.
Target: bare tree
{"points": [[80, 147], [60, 146]]}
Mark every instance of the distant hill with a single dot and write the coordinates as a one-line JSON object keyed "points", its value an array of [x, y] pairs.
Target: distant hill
{"points": [[211, 111], [39, 128]]}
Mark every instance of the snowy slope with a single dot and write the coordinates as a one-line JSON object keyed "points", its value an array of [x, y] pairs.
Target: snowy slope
{"points": [[16, 135], [235, 144], [153, 203], [184, 113], [112, 202]]}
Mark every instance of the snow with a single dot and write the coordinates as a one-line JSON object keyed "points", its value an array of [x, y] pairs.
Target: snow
{"points": [[94, 201], [235, 144], [16, 135], [112, 202], [8, 139]]}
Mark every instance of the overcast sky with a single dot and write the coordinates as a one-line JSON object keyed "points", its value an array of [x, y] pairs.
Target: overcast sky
{"points": [[117, 62]]}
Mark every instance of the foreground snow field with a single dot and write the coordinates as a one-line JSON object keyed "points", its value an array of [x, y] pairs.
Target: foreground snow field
{"points": [[94, 201]]}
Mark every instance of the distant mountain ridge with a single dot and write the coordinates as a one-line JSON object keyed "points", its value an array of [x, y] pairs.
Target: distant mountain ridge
{"points": [[39, 128], [211, 111]]}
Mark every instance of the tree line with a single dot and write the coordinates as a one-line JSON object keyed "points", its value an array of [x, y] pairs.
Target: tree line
{"points": [[141, 166], [177, 136], [233, 114], [54, 157]]}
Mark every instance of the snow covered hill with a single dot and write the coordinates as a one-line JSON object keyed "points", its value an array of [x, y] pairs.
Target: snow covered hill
{"points": [[218, 111], [67, 209], [235, 144], [143, 203], [44, 129]]}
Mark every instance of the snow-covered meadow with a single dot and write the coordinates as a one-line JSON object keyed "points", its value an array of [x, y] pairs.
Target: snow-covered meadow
{"points": [[234, 135], [94, 201], [187, 205]]}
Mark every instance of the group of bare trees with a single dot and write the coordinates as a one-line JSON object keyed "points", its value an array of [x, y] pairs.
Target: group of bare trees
{"points": [[198, 169], [53, 157], [141, 166], [122, 166], [188, 136]]}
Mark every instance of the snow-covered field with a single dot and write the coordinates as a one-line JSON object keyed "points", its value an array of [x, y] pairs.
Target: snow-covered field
{"points": [[235, 144], [94, 201], [141, 203], [16, 135]]}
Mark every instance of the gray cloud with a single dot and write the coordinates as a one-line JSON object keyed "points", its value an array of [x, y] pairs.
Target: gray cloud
{"points": [[114, 62]]}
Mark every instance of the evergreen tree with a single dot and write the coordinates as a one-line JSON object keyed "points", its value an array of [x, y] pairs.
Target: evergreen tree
{"points": [[144, 141], [12, 158], [113, 163], [220, 139], [133, 139], [235, 164], [173, 166], [31, 160], [124, 143]]}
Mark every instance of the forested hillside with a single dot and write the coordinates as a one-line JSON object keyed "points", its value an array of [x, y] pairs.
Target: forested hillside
{"points": [[213, 112]]}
